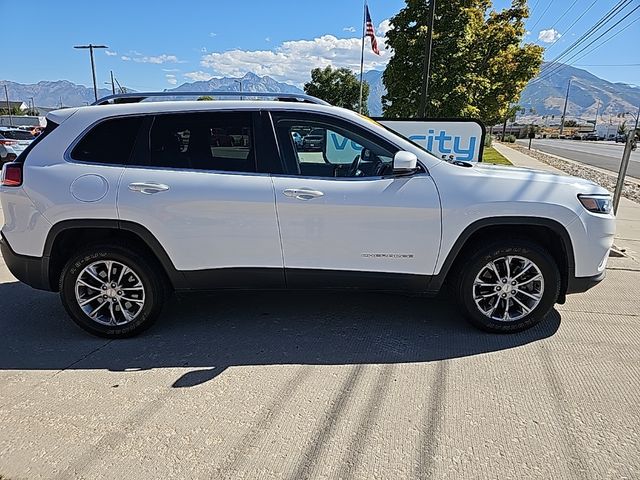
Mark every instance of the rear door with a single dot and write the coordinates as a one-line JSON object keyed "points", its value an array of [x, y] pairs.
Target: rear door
{"points": [[194, 184]]}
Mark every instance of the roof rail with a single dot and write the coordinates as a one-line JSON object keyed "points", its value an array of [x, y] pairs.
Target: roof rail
{"points": [[140, 96]]}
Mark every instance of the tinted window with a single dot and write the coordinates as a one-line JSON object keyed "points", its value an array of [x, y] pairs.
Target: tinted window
{"points": [[331, 150], [203, 141], [109, 142], [17, 135], [51, 126]]}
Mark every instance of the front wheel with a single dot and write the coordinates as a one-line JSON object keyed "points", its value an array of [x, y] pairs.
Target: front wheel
{"points": [[508, 287], [111, 291]]}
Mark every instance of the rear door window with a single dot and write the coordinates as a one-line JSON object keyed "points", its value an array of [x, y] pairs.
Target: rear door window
{"points": [[219, 141], [109, 142]]}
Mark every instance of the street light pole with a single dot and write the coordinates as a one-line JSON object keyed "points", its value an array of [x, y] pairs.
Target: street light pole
{"points": [[626, 156], [93, 64]]}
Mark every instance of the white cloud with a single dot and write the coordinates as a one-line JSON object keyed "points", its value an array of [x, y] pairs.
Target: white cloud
{"points": [[158, 59], [171, 79], [110, 53], [384, 27], [137, 57], [203, 50], [267, 39], [213, 34], [170, 69], [293, 60], [549, 36], [198, 76], [349, 29]]}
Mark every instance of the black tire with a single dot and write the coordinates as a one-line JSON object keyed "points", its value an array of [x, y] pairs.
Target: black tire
{"points": [[152, 279], [474, 263]]}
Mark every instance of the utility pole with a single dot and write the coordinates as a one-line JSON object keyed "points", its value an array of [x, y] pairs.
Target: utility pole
{"points": [[113, 85], [239, 82], [426, 66], [596, 120], [626, 156], [33, 106], [6, 95], [93, 64], [564, 112]]}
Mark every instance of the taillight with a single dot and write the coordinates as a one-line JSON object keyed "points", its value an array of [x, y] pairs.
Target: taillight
{"points": [[12, 175], [8, 142]]}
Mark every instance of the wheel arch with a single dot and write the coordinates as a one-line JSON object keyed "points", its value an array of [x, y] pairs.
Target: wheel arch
{"points": [[547, 232], [67, 236]]}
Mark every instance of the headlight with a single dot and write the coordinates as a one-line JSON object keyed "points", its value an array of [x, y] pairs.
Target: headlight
{"points": [[596, 203]]}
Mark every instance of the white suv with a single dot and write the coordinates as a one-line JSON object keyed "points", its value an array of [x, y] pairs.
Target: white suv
{"points": [[115, 206]]}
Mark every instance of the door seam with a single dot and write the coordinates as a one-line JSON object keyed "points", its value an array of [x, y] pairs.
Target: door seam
{"points": [[275, 205]]}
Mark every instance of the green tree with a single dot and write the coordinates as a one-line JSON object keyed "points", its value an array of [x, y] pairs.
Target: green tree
{"points": [[11, 111], [570, 123], [622, 128], [340, 87], [205, 98], [478, 65]]}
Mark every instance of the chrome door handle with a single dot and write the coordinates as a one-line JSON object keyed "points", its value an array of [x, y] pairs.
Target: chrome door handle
{"points": [[148, 188], [302, 193]]}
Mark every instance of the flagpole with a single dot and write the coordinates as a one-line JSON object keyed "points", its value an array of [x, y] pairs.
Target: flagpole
{"points": [[364, 21]]}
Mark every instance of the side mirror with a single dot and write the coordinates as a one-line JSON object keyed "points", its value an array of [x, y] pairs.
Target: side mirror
{"points": [[404, 162]]}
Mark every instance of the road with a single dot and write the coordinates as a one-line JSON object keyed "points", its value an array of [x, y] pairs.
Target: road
{"points": [[349, 386], [606, 155]]}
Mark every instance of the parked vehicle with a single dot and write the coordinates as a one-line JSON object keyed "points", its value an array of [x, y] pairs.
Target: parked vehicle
{"points": [[314, 140], [116, 226], [621, 138], [592, 136], [12, 142]]}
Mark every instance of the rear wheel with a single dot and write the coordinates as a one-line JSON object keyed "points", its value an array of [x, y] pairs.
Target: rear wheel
{"points": [[508, 287], [111, 291]]}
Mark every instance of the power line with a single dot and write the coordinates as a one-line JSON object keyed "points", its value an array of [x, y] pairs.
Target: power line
{"points": [[610, 38], [554, 65], [541, 15], [574, 22], [565, 12], [600, 23], [533, 8], [609, 64], [557, 68]]}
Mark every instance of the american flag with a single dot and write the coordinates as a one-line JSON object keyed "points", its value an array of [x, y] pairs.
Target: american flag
{"points": [[370, 32]]}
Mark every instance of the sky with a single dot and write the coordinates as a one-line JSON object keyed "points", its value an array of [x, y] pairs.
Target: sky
{"points": [[161, 44]]}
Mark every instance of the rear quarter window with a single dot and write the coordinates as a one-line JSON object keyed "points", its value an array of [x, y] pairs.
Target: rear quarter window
{"points": [[51, 126], [109, 142]]}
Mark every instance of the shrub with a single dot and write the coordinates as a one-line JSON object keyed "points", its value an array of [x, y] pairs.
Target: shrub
{"points": [[510, 138]]}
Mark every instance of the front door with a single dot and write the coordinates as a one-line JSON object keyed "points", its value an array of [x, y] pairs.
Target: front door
{"points": [[345, 220]]}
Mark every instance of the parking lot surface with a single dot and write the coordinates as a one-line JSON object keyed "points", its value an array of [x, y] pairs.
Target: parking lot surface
{"points": [[294, 386]]}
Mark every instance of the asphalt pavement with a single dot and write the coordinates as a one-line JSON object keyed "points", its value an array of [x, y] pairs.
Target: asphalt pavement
{"points": [[327, 386], [606, 155]]}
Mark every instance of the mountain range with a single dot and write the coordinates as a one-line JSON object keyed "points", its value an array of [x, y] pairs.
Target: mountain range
{"points": [[544, 96]]}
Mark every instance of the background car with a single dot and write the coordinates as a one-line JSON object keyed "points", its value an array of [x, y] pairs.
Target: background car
{"points": [[314, 140], [621, 138], [12, 142]]}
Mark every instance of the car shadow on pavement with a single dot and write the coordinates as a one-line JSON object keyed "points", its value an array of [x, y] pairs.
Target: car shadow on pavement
{"points": [[210, 332]]}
